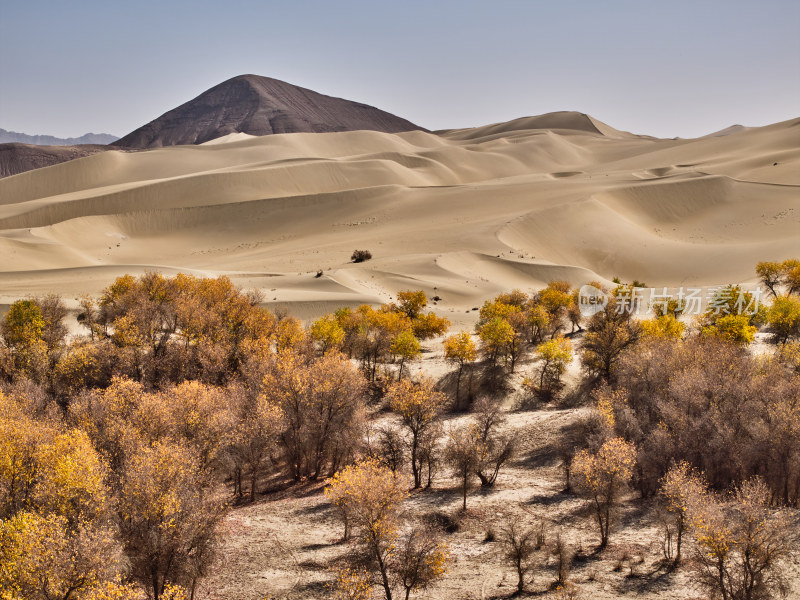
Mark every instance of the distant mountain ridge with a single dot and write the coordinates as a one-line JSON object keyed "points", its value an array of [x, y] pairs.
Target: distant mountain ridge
{"points": [[260, 106], [14, 137]]}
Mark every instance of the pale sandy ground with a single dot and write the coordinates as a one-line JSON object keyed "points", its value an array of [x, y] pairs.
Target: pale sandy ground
{"points": [[463, 214], [286, 544]]}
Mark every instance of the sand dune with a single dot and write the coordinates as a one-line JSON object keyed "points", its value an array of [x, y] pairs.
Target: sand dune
{"points": [[462, 214]]}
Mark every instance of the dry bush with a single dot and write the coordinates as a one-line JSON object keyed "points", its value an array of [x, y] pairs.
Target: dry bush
{"points": [[709, 403], [368, 495], [495, 448], [429, 452], [564, 555], [603, 476], [743, 546], [421, 558], [360, 256], [322, 405], [519, 544], [388, 447], [462, 453]]}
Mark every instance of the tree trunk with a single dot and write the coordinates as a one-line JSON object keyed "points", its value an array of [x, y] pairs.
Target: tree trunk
{"points": [[156, 590], [721, 572], [253, 478], [458, 386], [541, 377], [414, 467], [384, 576]]}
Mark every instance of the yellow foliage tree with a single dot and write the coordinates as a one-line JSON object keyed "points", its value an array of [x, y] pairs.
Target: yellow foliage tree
{"points": [[322, 406], [20, 437], [429, 325], [168, 517], [553, 357], [418, 404], [420, 560], [23, 329], [70, 478], [327, 332], [43, 558], [681, 488], [76, 370], [603, 476], [411, 302], [369, 495], [783, 318], [407, 347], [664, 327], [498, 339], [460, 349], [732, 328], [254, 437], [774, 274]]}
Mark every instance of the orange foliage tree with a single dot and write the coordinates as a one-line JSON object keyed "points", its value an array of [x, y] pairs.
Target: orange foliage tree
{"points": [[418, 405], [322, 406]]}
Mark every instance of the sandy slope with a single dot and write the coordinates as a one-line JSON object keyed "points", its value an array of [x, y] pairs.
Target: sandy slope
{"points": [[463, 214]]}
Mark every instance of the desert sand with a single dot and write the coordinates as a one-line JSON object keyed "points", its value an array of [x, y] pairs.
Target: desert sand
{"points": [[462, 214]]}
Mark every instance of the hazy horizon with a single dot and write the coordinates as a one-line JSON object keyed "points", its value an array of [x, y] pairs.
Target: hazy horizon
{"points": [[687, 71]]}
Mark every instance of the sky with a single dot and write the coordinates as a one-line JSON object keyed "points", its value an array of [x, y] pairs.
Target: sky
{"points": [[668, 68]]}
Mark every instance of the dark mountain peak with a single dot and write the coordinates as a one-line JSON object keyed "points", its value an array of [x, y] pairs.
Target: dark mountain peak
{"points": [[259, 106]]}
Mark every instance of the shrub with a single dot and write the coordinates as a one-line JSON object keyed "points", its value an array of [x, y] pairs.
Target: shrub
{"points": [[519, 545], [360, 255]]}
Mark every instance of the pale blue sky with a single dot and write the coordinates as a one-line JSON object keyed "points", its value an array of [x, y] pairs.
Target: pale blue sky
{"points": [[680, 68]]}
